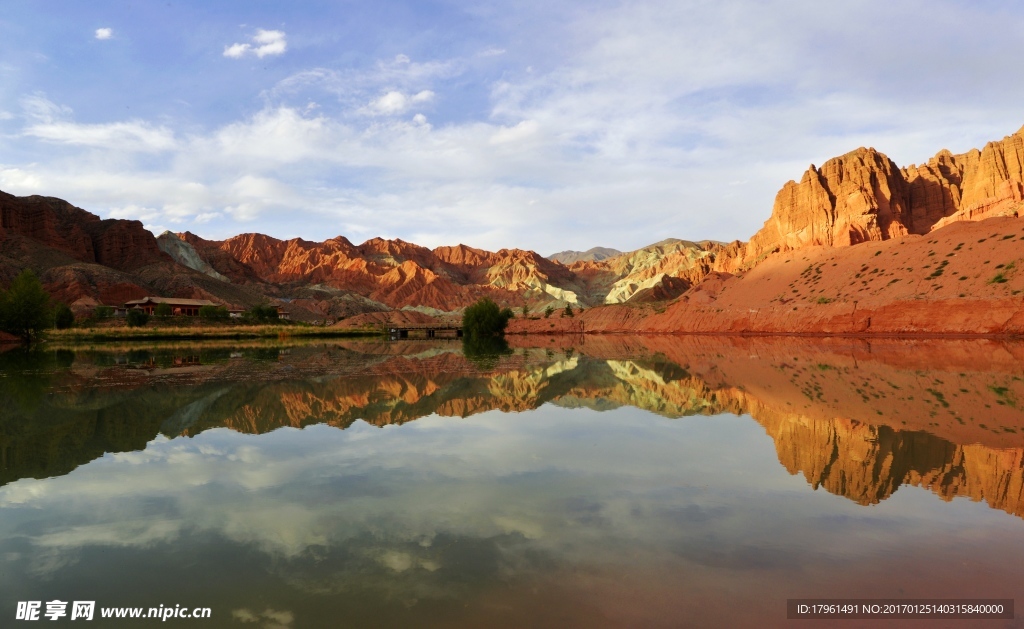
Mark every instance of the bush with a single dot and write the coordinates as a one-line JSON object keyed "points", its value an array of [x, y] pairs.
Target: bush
{"points": [[63, 318], [264, 313], [548, 312], [136, 318], [103, 312], [485, 319], [25, 307], [568, 311], [214, 313], [163, 311]]}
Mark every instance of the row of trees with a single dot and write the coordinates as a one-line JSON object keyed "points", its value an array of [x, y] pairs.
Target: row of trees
{"points": [[550, 310]]}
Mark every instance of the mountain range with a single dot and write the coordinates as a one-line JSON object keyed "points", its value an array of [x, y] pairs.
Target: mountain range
{"points": [[822, 230]]}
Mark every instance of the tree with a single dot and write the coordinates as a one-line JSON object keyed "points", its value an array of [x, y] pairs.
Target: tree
{"points": [[63, 318], [568, 311], [214, 313], [25, 307], [526, 310], [485, 319], [103, 312], [548, 312], [264, 313], [163, 310], [136, 318]]}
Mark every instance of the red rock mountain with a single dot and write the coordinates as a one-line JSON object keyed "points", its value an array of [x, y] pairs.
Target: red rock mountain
{"points": [[122, 245], [837, 217], [864, 196]]}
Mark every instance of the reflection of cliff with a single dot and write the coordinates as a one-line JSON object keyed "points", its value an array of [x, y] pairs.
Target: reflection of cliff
{"points": [[858, 421], [868, 463]]}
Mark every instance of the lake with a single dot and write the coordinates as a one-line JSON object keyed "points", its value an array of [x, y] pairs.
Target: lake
{"points": [[582, 482]]}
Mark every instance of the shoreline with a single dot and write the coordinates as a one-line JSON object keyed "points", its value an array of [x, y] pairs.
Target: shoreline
{"points": [[99, 335]]}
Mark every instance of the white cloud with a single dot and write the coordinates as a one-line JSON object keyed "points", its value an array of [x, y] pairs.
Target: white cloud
{"points": [[264, 44], [127, 136], [652, 108], [390, 103], [104, 33], [521, 131], [236, 51], [395, 102]]}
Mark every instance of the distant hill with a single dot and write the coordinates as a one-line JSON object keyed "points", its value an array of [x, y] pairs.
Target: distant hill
{"points": [[595, 254]]}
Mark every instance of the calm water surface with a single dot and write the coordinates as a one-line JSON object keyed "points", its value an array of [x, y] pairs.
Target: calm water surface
{"points": [[598, 482]]}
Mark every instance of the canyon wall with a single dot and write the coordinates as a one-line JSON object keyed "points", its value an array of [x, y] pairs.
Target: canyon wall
{"points": [[863, 196]]}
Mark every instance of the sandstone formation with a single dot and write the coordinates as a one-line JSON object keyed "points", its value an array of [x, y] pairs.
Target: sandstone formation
{"points": [[862, 196], [185, 254]]}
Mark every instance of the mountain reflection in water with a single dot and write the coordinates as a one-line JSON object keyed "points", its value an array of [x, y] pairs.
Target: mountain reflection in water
{"points": [[855, 418], [593, 482]]}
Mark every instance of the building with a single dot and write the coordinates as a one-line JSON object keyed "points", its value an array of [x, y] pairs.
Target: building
{"points": [[179, 306]]}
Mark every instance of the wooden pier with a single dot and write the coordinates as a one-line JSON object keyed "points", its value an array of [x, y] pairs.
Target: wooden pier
{"points": [[397, 333]]}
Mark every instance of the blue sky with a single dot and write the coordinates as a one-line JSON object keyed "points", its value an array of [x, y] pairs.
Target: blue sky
{"points": [[529, 124]]}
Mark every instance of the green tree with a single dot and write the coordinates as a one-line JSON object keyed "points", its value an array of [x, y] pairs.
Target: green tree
{"points": [[214, 313], [548, 312], [568, 311], [526, 310], [264, 313], [25, 307], [163, 310], [136, 318], [63, 318], [485, 319], [103, 312]]}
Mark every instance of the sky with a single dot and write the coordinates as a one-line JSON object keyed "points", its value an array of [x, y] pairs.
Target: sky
{"points": [[530, 124]]}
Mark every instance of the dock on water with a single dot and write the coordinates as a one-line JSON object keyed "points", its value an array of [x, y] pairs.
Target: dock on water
{"points": [[396, 333]]}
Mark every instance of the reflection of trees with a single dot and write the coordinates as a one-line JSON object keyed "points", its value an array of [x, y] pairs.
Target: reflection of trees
{"points": [[25, 376], [485, 351]]}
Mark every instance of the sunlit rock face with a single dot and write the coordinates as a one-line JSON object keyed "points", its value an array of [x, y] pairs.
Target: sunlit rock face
{"points": [[862, 196]]}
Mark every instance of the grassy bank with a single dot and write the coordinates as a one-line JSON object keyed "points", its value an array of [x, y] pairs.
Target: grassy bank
{"points": [[200, 333]]}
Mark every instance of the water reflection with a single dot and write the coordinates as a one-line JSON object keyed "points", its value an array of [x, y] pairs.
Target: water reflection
{"points": [[587, 482], [824, 410]]}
